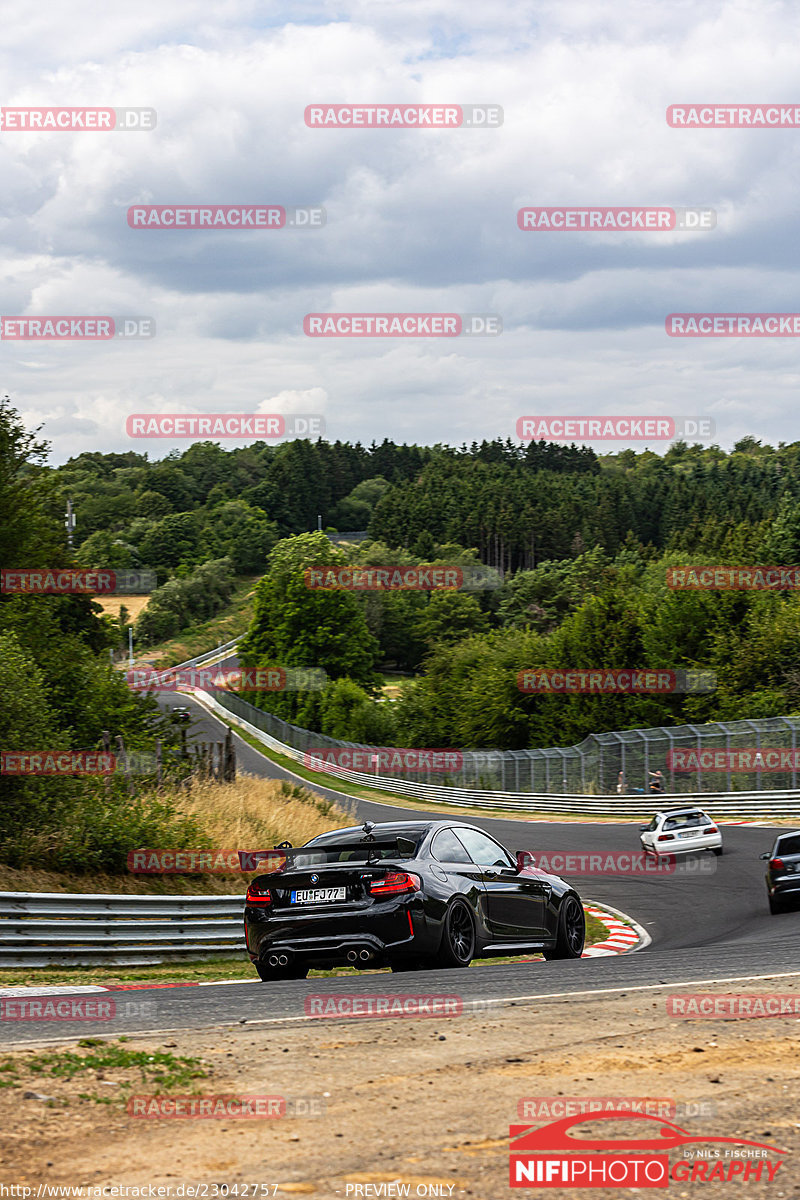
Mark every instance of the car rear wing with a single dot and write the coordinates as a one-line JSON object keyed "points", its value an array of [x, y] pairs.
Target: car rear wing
{"points": [[283, 858]]}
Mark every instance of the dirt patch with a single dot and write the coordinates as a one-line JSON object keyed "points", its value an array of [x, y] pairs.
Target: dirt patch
{"points": [[421, 1102]]}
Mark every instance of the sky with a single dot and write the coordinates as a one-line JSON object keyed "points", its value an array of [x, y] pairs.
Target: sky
{"points": [[416, 220]]}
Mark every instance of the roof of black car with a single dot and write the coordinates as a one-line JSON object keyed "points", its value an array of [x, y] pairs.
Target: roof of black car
{"points": [[384, 827]]}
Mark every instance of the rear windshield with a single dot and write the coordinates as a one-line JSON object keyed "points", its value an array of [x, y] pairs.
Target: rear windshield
{"points": [[687, 820], [789, 845], [354, 851]]}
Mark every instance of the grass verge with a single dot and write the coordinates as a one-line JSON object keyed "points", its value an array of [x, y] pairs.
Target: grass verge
{"points": [[161, 1071]]}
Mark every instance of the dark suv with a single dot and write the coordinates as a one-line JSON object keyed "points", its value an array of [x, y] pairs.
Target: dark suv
{"points": [[783, 871]]}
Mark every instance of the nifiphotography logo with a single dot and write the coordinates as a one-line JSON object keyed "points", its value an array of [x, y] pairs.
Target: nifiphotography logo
{"points": [[552, 1156]]}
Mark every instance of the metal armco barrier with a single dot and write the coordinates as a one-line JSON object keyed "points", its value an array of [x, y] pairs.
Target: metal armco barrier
{"points": [[736, 805], [39, 929], [210, 657]]}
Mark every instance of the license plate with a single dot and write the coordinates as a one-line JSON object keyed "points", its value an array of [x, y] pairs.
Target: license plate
{"points": [[317, 895], [691, 833]]}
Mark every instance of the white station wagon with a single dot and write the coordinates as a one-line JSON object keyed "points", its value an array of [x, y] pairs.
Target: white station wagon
{"points": [[680, 830]]}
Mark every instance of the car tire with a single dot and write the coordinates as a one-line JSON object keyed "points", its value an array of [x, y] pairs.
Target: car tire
{"points": [[716, 850], [268, 974], [775, 906], [458, 937], [571, 934]]}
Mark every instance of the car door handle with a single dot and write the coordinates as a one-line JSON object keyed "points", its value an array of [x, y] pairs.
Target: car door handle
{"points": [[490, 873]]}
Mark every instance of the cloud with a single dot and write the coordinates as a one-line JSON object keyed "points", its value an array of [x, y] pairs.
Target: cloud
{"points": [[416, 220]]}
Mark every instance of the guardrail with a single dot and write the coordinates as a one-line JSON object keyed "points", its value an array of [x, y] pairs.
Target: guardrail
{"points": [[737, 805], [54, 928], [210, 656]]}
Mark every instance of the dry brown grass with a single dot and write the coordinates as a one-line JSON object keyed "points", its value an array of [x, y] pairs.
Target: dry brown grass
{"points": [[254, 813], [250, 814], [112, 604]]}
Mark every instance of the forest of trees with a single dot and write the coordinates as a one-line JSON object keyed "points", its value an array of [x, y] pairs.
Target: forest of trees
{"points": [[59, 692], [581, 543]]}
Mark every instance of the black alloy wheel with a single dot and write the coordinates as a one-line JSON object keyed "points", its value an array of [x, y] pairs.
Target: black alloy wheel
{"points": [[458, 937], [571, 935]]}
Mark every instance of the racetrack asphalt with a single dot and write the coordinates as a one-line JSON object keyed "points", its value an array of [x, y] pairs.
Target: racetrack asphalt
{"points": [[708, 923]]}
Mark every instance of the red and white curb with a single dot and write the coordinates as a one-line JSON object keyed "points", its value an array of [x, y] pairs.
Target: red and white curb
{"points": [[624, 933]]}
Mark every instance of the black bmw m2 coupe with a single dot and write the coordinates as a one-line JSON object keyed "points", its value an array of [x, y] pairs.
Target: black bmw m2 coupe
{"points": [[407, 895]]}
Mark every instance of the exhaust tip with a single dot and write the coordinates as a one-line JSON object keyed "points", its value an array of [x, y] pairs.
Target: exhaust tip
{"points": [[283, 960], [365, 955], [352, 956], [273, 960]]}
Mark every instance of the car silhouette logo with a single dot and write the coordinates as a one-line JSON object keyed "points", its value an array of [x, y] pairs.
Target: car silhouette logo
{"points": [[315, 878], [665, 1135]]}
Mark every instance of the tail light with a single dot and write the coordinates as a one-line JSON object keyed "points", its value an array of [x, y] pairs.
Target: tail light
{"points": [[711, 829], [777, 864], [258, 894], [665, 837], [395, 882]]}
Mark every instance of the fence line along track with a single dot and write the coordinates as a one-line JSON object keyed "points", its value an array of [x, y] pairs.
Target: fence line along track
{"points": [[736, 805]]}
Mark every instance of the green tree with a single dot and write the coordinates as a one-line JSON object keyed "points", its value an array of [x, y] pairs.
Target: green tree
{"points": [[297, 625], [349, 713], [449, 617]]}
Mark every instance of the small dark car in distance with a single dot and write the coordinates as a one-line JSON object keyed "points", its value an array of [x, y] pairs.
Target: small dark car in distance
{"points": [[407, 895], [783, 871]]}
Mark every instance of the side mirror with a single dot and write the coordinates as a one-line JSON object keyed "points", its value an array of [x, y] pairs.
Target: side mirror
{"points": [[765, 856], [525, 859], [642, 828]]}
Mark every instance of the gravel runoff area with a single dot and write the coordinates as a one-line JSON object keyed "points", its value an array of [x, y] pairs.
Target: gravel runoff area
{"points": [[372, 1105]]}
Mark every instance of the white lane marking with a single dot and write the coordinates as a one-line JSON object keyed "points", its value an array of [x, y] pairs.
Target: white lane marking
{"points": [[55, 990], [233, 1024], [220, 982]]}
